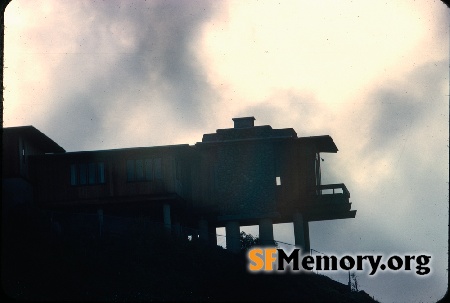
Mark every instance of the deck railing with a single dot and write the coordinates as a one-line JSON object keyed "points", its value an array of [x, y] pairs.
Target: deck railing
{"points": [[320, 188]]}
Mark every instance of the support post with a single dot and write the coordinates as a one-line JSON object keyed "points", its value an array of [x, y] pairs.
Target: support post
{"points": [[306, 229], [166, 217], [266, 232], [203, 229], [212, 237], [301, 233], [232, 231]]}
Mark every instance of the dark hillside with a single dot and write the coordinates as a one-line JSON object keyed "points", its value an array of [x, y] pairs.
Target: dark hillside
{"points": [[143, 266]]}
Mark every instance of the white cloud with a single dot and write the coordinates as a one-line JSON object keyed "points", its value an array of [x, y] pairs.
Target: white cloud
{"points": [[333, 50]]}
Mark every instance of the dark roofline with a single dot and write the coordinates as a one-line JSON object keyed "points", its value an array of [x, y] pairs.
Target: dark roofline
{"points": [[166, 148], [323, 143], [37, 137], [133, 148]]}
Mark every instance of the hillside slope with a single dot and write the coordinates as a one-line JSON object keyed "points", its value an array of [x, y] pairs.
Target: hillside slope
{"points": [[145, 265]]}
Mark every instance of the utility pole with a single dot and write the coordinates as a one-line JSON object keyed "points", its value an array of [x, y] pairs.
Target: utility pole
{"points": [[349, 281]]}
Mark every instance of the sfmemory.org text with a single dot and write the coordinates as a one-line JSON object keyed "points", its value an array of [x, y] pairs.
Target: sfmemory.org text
{"points": [[273, 259]]}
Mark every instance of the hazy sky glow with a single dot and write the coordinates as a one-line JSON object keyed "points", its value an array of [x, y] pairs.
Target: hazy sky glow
{"points": [[373, 75]]}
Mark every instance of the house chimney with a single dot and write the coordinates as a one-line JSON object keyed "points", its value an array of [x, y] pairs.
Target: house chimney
{"points": [[244, 122]]}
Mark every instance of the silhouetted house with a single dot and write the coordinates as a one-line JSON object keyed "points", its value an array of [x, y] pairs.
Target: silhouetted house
{"points": [[246, 175], [18, 144]]}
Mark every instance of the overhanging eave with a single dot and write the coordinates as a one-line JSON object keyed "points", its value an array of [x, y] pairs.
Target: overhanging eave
{"points": [[329, 215]]}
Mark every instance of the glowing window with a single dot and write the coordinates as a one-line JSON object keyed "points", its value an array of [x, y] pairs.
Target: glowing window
{"points": [[278, 180]]}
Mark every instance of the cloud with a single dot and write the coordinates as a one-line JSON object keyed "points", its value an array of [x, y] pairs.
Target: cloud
{"points": [[394, 159], [120, 57], [333, 50], [406, 104]]}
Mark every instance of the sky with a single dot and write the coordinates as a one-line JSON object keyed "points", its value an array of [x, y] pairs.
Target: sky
{"points": [[373, 75]]}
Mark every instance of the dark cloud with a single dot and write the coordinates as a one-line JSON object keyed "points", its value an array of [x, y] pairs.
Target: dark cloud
{"points": [[83, 125], [161, 59], [399, 107], [405, 210]]}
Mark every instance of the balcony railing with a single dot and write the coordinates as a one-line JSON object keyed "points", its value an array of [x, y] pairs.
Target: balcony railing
{"points": [[339, 188], [330, 201]]}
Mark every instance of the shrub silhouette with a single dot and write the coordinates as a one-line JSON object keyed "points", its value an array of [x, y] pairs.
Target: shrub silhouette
{"points": [[248, 241]]}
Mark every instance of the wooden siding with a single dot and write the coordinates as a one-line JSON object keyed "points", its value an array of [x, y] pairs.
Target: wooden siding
{"points": [[52, 175]]}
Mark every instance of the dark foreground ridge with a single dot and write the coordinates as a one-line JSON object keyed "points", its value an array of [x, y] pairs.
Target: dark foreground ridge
{"points": [[143, 265]]}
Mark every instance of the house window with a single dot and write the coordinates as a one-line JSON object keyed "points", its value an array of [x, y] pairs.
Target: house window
{"points": [[73, 174], [278, 180], [130, 170], [139, 170], [148, 169], [101, 172], [142, 170], [83, 170], [158, 169], [91, 173]]}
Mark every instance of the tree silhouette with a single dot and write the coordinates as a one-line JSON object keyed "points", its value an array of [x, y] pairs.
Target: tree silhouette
{"points": [[248, 241], [354, 282]]}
